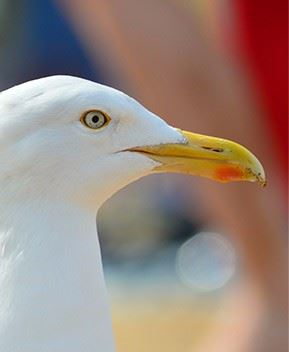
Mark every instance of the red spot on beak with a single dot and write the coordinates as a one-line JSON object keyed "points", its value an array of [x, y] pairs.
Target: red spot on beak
{"points": [[228, 173]]}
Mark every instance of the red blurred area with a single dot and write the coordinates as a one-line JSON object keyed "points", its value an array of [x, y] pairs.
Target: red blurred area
{"points": [[264, 45]]}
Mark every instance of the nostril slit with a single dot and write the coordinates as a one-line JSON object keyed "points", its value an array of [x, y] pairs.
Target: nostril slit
{"points": [[207, 148], [216, 150]]}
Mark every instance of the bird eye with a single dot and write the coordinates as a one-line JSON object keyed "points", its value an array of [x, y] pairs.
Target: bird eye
{"points": [[95, 119]]}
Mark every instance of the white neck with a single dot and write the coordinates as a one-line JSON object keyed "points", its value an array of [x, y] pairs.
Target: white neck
{"points": [[52, 291]]}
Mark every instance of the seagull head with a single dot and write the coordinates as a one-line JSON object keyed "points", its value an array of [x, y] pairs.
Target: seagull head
{"points": [[66, 138]]}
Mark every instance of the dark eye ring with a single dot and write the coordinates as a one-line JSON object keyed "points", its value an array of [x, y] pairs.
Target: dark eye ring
{"points": [[95, 119]]}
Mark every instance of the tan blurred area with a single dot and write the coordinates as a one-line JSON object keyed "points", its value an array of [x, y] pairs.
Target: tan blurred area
{"points": [[168, 54]]}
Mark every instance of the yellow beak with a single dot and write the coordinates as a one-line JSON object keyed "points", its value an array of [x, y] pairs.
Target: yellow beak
{"points": [[218, 159]]}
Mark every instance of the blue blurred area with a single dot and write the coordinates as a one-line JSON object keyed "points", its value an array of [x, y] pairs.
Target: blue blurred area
{"points": [[40, 42]]}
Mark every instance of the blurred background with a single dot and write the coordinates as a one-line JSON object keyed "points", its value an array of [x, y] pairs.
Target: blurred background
{"points": [[190, 265]]}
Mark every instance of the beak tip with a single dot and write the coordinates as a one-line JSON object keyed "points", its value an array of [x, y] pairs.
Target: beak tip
{"points": [[263, 183], [258, 172], [261, 179]]}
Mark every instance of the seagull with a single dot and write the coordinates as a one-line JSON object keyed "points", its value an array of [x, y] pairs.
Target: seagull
{"points": [[67, 145]]}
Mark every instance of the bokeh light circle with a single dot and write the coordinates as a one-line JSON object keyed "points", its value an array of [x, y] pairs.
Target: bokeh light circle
{"points": [[206, 262]]}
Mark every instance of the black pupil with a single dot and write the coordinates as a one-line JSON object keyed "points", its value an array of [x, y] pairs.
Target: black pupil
{"points": [[95, 119]]}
